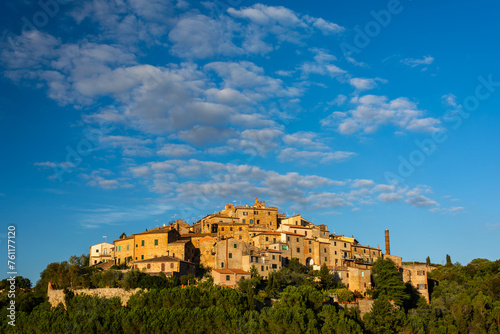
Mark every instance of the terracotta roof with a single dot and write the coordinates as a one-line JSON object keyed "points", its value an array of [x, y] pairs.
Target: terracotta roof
{"points": [[160, 259], [197, 235], [127, 238], [231, 271], [154, 232]]}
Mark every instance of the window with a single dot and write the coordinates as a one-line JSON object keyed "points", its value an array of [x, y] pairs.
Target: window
{"points": [[240, 237], [235, 246], [258, 221], [230, 255], [274, 240], [136, 245], [251, 221], [324, 250], [284, 247], [274, 257], [269, 213], [222, 264], [298, 250], [230, 229], [261, 268], [310, 250], [156, 242], [119, 248], [347, 275], [244, 222], [149, 266], [288, 238], [306, 234], [97, 251], [267, 238], [142, 257], [240, 229], [364, 251], [171, 265], [420, 272], [422, 286], [163, 267], [365, 285], [335, 252], [362, 274], [222, 229], [274, 266], [309, 240], [228, 277], [294, 231], [267, 267], [354, 248], [136, 260], [105, 251], [256, 212], [119, 260], [142, 243], [345, 245], [335, 243], [297, 239], [245, 214], [326, 259], [127, 247]]}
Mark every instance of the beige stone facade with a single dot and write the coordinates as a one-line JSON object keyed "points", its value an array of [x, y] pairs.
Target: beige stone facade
{"points": [[165, 264], [416, 274], [124, 250], [229, 277]]}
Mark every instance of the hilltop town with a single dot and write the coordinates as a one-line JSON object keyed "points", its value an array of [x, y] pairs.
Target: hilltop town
{"points": [[229, 243]]}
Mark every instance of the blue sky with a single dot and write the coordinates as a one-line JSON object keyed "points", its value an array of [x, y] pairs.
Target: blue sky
{"points": [[117, 116]]}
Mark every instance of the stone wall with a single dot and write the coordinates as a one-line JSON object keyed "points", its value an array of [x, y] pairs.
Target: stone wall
{"points": [[57, 296]]}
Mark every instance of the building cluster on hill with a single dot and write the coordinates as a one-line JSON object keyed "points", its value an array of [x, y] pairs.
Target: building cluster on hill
{"points": [[233, 240]]}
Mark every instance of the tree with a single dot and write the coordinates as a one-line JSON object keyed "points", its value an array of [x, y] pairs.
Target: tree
{"points": [[384, 318], [428, 261], [448, 260], [326, 279], [388, 281]]}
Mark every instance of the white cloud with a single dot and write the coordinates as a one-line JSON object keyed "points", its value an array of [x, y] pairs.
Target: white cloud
{"points": [[420, 201], [365, 83], [305, 157], [372, 112], [414, 62], [258, 141]]}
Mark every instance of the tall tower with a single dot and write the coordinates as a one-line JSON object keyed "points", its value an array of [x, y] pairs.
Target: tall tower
{"points": [[387, 244]]}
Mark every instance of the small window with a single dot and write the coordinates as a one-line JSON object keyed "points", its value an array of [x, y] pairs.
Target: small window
{"points": [[354, 248], [345, 245], [230, 255], [240, 229], [326, 259], [163, 267], [97, 251], [142, 242], [258, 221], [288, 238], [171, 265], [222, 264], [422, 286], [335, 243], [244, 221], [309, 240], [256, 212], [222, 229], [347, 275], [298, 250], [267, 238], [119, 248], [235, 246], [324, 250], [228, 277], [240, 237], [274, 257], [251, 221], [335, 252], [261, 268], [142, 257], [297, 239], [274, 266], [156, 242], [362, 274], [310, 250], [127, 247], [119, 260], [230, 229], [274, 240], [149, 266]]}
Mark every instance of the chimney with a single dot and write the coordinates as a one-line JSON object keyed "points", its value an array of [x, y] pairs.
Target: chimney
{"points": [[387, 244]]}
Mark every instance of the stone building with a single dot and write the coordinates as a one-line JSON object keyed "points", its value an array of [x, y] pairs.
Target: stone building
{"points": [[229, 253], [168, 265], [124, 249], [416, 274], [264, 261], [340, 251], [233, 230], [153, 243], [365, 254], [256, 215], [102, 252], [229, 277], [182, 249]]}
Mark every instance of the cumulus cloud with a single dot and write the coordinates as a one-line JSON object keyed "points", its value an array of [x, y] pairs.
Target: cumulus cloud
{"points": [[305, 157], [365, 83], [372, 111], [176, 150]]}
